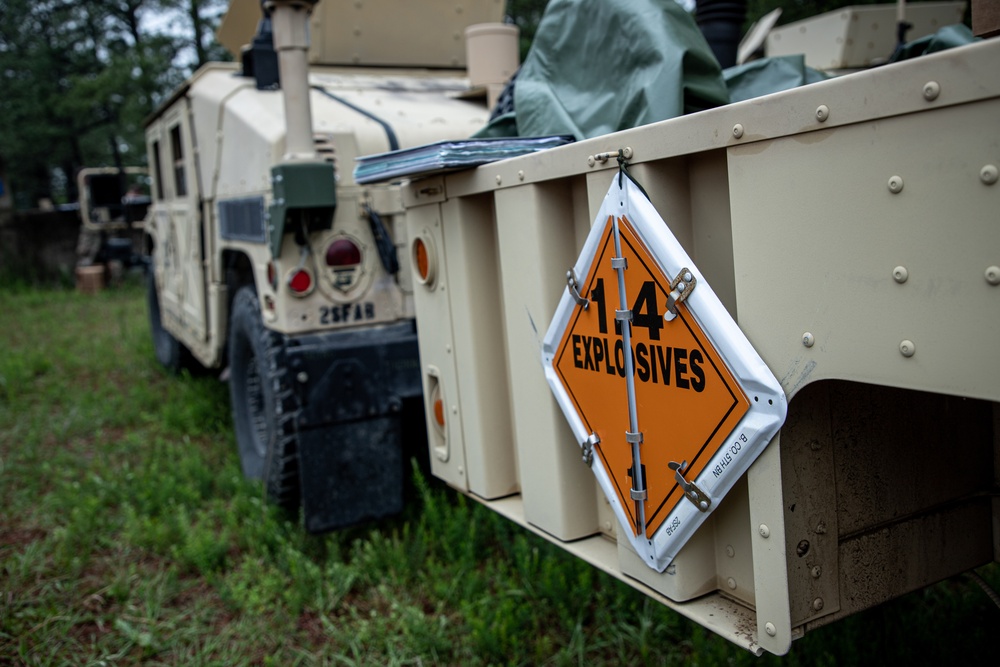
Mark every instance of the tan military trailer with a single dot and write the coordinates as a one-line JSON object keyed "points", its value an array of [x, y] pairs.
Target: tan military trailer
{"points": [[766, 390], [269, 260]]}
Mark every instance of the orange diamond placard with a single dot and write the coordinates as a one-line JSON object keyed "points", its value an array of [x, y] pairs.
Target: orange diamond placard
{"points": [[687, 400]]}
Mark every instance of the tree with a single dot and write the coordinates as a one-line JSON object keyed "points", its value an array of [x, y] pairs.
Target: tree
{"points": [[79, 77]]}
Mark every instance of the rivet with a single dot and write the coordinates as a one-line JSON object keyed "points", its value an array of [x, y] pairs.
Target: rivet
{"points": [[520, 175], [931, 91], [688, 277], [591, 161], [499, 179], [732, 583], [302, 377], [895, 184], [900, 274], [447, 348], [454, 409], [627, 152], [808, 339], [822, 113], [992, 274], [817, 604], [989, 174], [907, 348], [737, 130], [764, 531], [770, 629], [816, 571], [730, 551]]}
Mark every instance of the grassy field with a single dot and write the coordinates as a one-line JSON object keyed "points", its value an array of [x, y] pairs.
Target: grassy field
{"points": [[127, 536]]}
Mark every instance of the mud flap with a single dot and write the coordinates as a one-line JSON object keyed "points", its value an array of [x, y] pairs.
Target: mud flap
{"points": [[351, 473]]}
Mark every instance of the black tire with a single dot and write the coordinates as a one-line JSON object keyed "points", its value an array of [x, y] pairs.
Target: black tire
{"points": [[169, 351], [264, 408]]}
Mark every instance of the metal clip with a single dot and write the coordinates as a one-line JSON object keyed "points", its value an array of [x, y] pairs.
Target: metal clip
{"points": [[690, 489], [574, 285], [680, 288], [588, 448]]}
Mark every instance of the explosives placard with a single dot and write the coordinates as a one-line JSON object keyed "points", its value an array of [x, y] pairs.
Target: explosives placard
{"points": [[663, 391]]}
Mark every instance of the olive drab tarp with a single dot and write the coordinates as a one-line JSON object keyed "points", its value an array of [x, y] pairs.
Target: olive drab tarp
{"points": [[598, 66], [769, 75]]}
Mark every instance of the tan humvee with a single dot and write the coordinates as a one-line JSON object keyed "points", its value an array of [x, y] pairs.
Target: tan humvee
{"points": [[269, 259]]}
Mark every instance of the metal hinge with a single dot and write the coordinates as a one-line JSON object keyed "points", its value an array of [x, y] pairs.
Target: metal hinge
{"points": [[691, 490]]}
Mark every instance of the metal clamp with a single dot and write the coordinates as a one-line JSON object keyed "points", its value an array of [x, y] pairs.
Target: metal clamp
{"points": [[680, 288], [588, 448], [690, 489], [574, 284]]}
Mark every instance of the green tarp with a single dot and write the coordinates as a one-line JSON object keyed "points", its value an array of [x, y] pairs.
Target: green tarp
{"points": [[598, 66], [769, 75]]}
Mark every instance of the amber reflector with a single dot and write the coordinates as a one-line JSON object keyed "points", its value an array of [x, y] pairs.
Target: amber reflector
{"points": [[423, 263], [439, 412]]}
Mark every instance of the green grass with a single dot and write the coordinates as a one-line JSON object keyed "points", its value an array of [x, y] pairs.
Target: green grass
{"points": [[128, 536]]}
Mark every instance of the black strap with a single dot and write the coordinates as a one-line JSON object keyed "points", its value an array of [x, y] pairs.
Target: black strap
{"points": [[384, 244]]}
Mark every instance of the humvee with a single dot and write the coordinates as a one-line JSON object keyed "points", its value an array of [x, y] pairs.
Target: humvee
{"points": [[270, 264]]}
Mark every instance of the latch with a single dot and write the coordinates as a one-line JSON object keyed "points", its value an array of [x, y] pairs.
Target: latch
{"points": [[680, 288], [574, 285], [690, 489], [588, 448]]}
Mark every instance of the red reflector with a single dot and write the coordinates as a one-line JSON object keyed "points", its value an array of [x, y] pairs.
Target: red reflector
{"points": [[300, 282], [343, 252]]}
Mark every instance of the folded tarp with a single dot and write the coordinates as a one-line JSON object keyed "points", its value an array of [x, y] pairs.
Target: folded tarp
{"points": [[446, 156]]}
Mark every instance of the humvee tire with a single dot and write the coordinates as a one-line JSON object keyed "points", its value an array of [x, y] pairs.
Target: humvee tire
{"points": [[264, 409], [169, 351]]}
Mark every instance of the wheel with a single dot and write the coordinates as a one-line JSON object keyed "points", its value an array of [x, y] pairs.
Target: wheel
{"points": [[264, 409], [169, 351]]}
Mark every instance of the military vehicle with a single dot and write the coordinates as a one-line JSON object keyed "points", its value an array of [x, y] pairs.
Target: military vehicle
{"points": [[270, 261], [113, 204], [763, 387]]}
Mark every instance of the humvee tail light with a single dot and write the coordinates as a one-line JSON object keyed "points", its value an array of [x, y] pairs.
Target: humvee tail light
{"points": [[300, 282], [342, 253], [272, 275], [424, 261]]}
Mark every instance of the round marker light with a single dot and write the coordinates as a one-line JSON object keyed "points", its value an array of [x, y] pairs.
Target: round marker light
{"points": [[300, 282], [423, 261], [343, 253]]}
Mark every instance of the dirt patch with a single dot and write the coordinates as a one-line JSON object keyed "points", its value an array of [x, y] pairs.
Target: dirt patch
{"points": [[310, 626], [19, 537]]}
